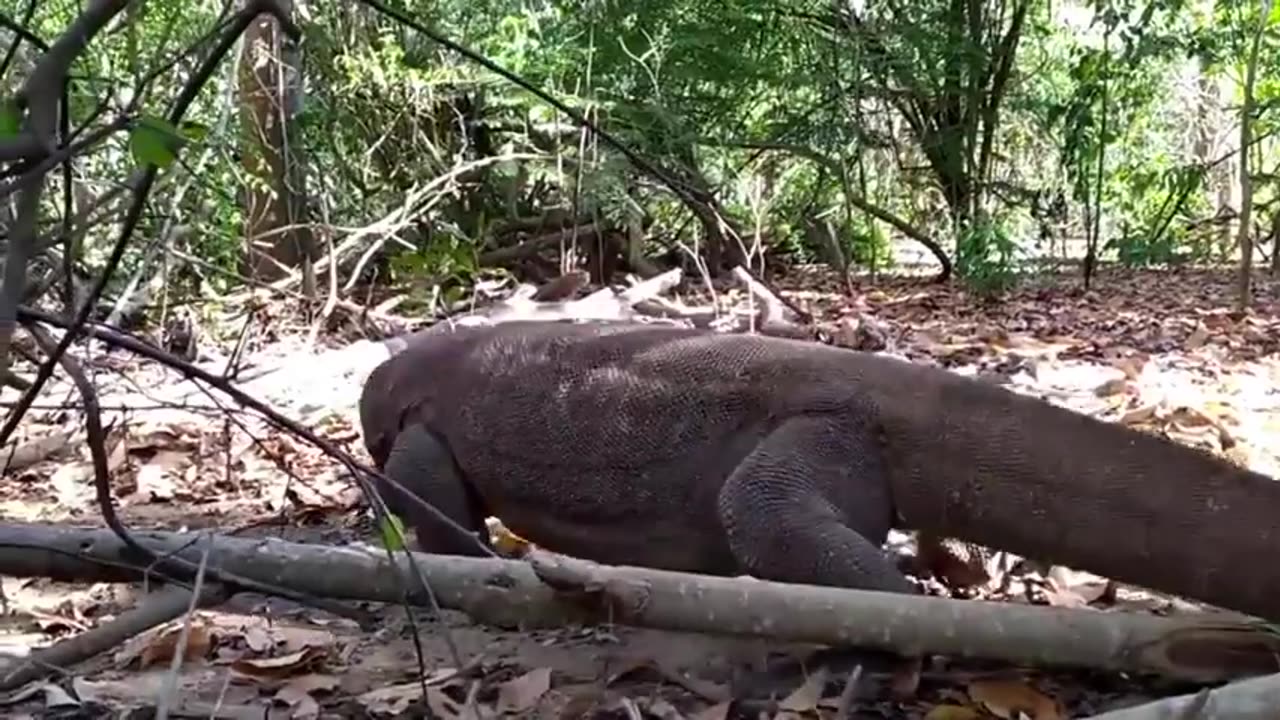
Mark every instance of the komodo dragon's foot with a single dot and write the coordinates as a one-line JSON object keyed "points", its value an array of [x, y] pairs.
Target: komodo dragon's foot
{"points": [[811, 505], [959, 564], [422, 463]]}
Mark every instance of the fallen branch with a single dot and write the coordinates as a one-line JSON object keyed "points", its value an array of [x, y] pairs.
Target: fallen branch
{"points": [[1252, 699], [563, 287], [642, 302], [550, 591], [23, 456], [158, 608], [96, 440], [531, 246]]}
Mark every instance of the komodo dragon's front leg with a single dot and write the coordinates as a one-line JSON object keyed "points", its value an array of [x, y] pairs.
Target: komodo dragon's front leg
{"points": [[811, 504], [423, 463]]}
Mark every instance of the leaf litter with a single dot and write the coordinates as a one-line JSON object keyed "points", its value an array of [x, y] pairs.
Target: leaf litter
{"points": [[1129, 351]]}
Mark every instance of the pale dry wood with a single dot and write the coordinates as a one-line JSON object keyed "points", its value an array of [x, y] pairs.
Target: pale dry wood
{"points": [[29, 453], [772, 308], [1253, 699], [552, 590]]}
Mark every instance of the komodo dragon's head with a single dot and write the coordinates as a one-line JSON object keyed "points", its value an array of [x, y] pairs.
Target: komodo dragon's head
{"points": [[374, 421], [396, 388]]}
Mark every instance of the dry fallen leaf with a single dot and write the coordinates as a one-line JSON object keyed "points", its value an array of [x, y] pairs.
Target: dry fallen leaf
{"points": [[71, 484], [118, 452], [393, 699], [523, 693], [660, 709], [284, 666], [297, 694], [315, 682], [1131, 365], [719, 711], [445, 707], [952, 712], [805, 698], [705, 689], [1190, 418], [1198, 337], [289, 638], [1139, 415], [301, 705], [258, 639], [1074, 588], [56, 697], [154, 479], [161, 646], [506, 542], [167, 437], [1114, 386], [1061, 597], [1007, 698]]}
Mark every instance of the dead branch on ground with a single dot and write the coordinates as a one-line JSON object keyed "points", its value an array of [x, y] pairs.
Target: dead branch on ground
{"points": [[156, 609], [551, 590], [1253, 699], [96, 440]]}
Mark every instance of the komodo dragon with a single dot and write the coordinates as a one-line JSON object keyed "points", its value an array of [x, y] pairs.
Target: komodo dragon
{"points": [[733, 454]]}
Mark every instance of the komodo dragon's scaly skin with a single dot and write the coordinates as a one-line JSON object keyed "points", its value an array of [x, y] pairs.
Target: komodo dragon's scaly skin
{"points": [[787, 460]]}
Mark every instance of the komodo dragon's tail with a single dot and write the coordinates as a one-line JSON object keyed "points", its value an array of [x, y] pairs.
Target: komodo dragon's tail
{"points": [[1012, 472]]}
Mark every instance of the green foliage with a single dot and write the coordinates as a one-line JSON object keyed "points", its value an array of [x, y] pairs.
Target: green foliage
{"points": [[1157, 207], [1141, 249], [10, 118], [986, 257], [141, 61], [869, 245], [768, 107], [1126, 67], [444, 260], [391, 530], [155, 141], [687, 84]]}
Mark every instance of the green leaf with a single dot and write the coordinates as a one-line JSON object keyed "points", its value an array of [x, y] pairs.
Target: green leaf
{"points": [[10, 118], [155, 141], [392, 529], [194, 131]]}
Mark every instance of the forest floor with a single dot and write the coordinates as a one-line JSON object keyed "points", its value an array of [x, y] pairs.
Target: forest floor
{"points": [[1158, 349]]}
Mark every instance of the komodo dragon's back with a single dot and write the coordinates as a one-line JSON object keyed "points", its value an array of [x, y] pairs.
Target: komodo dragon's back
{"points": [[789, 460]]}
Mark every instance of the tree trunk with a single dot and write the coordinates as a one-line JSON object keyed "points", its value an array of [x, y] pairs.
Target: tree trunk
{"points": [[275, 208], [1275, 244], [1245, 236]]}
